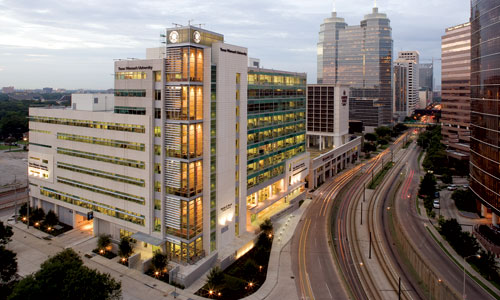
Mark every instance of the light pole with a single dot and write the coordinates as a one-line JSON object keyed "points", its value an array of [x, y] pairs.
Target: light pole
{"points": [[476, 255]]}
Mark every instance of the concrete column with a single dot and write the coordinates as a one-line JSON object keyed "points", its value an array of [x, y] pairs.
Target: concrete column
{"points": [[484, 211], [95, 226], [494, 219]]}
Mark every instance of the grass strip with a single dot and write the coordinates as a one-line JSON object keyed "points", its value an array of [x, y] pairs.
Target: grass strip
{"points": [[380, 176], [461, 266]]}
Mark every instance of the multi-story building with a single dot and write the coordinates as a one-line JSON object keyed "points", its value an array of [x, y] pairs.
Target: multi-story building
{"points": [[485, 105], [426, 76], [327, 115], [410, 59], [277, 161], [401, 89], [168, 164], [359, 56], [455, 90]]}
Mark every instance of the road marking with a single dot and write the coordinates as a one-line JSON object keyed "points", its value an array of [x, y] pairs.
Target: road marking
{"points": [[329, 292]]}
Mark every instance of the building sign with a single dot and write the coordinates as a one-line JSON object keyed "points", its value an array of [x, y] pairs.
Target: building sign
{"points": [[224, 208], [233, 51], [135, 68]]}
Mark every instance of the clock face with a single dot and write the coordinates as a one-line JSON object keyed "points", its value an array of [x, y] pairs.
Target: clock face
{"points": [[173, 37], [196, 37]]}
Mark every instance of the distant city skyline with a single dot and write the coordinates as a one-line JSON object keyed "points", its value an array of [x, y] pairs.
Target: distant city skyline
{"points": [[63, 45]]}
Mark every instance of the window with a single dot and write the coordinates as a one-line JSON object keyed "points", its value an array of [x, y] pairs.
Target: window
{"points": [[157, 113], [89, 124], [130, 110], [96, 100], [237, 94], [157, 149], [158, 168], [130, 75], [104, 158], [157, 131], [101, 141], [157, 186], [238, 78], [130, 93], [157, 204], [157, 76], [158, 95]]}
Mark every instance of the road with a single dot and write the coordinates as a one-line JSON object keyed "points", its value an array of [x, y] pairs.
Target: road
{"points": [[317, 274], [414, 224]]}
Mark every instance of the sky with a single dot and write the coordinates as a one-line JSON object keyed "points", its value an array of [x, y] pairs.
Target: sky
{"points": [[72, 44]]}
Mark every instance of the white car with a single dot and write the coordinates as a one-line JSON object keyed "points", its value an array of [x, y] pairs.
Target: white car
{"points": [[452, 187], [436, 204]]}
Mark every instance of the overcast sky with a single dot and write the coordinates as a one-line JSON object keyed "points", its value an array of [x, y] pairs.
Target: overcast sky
{"points": [[72, 43]]}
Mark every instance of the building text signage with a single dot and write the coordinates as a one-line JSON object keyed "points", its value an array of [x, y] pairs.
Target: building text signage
{"points": [[135, 68], [233, 51]]}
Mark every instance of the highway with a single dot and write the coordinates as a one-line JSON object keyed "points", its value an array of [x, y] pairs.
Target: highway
{"points": [[416, 230], [316, 272]]}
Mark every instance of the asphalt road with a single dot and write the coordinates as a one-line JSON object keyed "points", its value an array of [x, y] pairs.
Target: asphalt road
{"points": [[414, 225]]}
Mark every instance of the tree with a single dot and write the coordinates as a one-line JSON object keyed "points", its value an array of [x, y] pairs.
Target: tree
{"points": [[215, 277], [5, 234], [369, 147], [37, 215], [383, 131], [103, 242], [65, 277], [159, 261], [372, 137], [51, 218], [125, 247], [23, 210], [427, 186], [266, 226], [465, 200]]}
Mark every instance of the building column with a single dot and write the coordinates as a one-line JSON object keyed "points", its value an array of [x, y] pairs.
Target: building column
{"points": [[484, 211], [494, 219], [95, 227]]}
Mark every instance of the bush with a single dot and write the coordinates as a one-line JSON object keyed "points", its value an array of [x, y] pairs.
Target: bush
{"points": [[266, 226], [372, 137], [464, 243], [447, 178], [37, 215], [215, 277]]}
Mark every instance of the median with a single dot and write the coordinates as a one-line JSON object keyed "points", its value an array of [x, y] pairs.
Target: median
{"points": [[380, 175]]}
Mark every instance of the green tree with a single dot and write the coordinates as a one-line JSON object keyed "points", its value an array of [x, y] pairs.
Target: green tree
{"points": [[372, 137], [65, 277], [427, 186], [37, 215], [465, 200], [5, 234], [266, 226], [51, 218], [383, 131], [159, 261], [125, 247], [104, 241]]}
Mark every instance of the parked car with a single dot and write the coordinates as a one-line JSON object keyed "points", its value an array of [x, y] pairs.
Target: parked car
{"points": [[436, 204], [436, 195], [452, 187], [465, 186]]}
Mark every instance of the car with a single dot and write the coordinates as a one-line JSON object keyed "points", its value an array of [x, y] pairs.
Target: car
{"points": [[451, 188], [465, 186], [435, 204], [436, 195]]}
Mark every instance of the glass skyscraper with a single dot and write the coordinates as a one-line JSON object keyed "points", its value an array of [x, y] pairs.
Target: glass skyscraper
{"points": [[359, 56], [485, 104]]}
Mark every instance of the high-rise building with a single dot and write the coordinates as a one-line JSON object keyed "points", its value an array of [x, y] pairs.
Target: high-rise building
{"points": [[455, 90], [8, 89], [485, 104], [277, 161], [359, 56], [411, 60], [401, 89], [426, 76]]}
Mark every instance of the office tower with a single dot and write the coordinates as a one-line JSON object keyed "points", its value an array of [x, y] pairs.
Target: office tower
{"points": [[485, 105], [401, 89], [327, 115], [277, 161], [166, 163], [359, 56], [411, 58], [426, 76], [455, 90]]}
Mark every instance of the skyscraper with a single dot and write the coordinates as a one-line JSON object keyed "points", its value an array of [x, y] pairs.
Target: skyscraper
{"points": [[455, 90], [411, 60], [401, 89], [426, 76], [485, 104], [359, 56]]}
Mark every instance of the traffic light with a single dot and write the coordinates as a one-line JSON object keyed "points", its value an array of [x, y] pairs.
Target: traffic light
{"points": [[90, 215]]}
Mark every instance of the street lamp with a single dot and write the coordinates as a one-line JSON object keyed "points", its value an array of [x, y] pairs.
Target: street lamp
{"points": [[476, 255]]}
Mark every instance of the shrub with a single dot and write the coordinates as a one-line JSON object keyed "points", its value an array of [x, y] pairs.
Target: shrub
{"points": [[465, 200], [37, 215], [125, 247], [104, 241], [266, 226], [215, 277]]}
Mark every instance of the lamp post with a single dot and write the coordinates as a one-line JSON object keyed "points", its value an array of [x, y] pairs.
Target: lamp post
{"points": [[476, 255]]}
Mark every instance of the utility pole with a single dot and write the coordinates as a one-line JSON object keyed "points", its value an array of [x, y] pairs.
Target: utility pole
{"points": [[370, 247], [361, 213], [364, 191]]}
